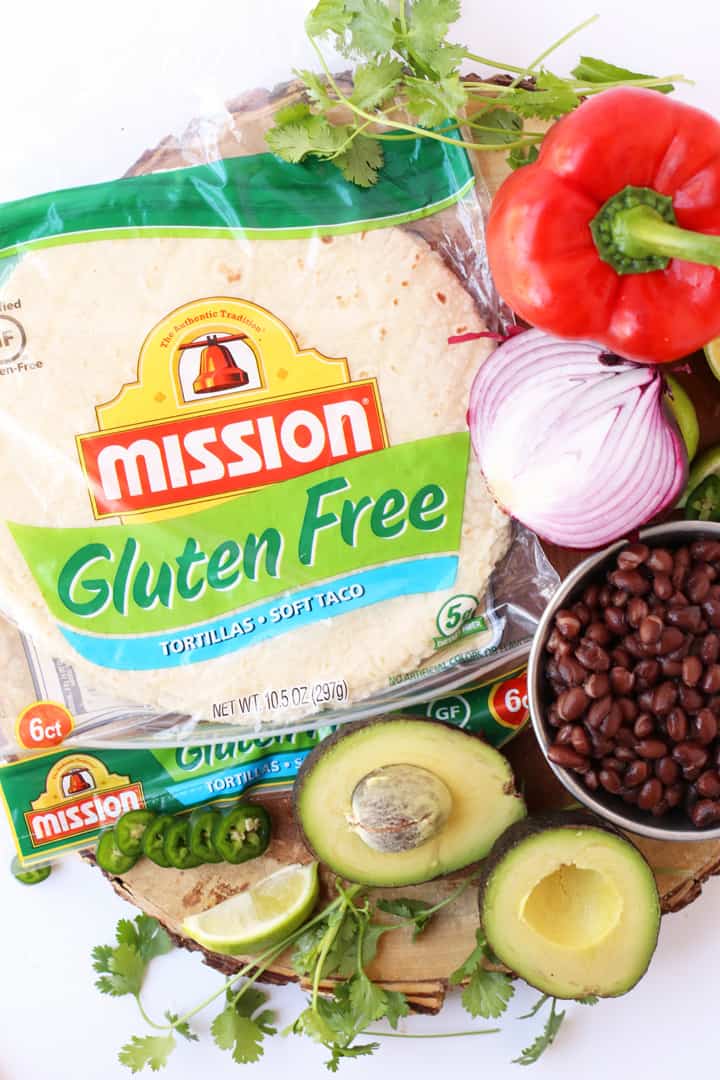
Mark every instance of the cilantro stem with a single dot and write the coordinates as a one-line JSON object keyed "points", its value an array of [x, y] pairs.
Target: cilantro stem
{"points": [[433, 1035], [494, 63], [556, 44], [146, 1018], [381, 118], [327, 942]]}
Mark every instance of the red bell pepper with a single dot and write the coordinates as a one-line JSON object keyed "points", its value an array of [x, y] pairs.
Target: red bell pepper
{"points": [[612, 234]]}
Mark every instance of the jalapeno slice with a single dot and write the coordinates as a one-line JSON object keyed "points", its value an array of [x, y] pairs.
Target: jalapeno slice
{"points": [[202, 825], [130, 829], [177, 845], [109, 857], [29, 877], [243, 833], [703, 502], [153, 841]]}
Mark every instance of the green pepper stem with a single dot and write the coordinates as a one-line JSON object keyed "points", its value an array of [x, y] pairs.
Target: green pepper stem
{"points": [[636, 232], [641, 231]]}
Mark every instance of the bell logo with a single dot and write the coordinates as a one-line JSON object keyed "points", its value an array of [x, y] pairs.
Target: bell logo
{"points": [[81, 796], [225, 402]]}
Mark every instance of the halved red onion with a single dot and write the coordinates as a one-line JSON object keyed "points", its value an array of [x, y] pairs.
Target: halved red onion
{"points": [[579, 450]]}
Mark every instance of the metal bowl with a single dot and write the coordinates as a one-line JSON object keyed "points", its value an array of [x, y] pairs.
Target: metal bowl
{"points": [[674, 825]]}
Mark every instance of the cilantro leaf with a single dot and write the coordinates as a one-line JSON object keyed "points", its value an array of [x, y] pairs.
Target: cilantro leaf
{"points": [[592, 70], [536, 1007], [316, 90], [372, 28], [522, 155], [374, 83], [590, 999], [338, 1053], [444, 59], [328, 15], [371, 937], [360, 161], [309, 135], [122, 970], [429, 22], [152, 1050], [431, 102], [553, 97], [545, 1039], [396, 1007], [182, 1028], [506, 126], [488, 992], [122, 967], [236, 1029], [294, 113], [413, 911], [366, 1000]]}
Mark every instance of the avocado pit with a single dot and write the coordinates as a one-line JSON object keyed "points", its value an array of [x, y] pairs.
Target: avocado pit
{"points": [[399, 807]]}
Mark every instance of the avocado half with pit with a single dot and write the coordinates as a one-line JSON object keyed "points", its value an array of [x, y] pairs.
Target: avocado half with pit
{"points": [[570, 905], [403, 800]]}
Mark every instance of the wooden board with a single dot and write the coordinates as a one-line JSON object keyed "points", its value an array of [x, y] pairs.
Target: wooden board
{"points": [[420, 969]]}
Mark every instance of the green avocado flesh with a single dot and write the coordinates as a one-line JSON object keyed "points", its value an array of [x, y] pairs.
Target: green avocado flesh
{"points": [[573, 910], [397, 802]]}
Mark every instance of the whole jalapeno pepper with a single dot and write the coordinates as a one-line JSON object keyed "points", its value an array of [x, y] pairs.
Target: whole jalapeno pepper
{"points": [[243, 833]]}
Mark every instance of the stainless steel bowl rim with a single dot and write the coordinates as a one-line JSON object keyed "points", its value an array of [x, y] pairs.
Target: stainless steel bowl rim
{"points": [[677, 531]]}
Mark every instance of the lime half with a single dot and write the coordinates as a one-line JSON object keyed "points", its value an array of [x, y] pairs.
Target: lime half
{"points": [[683, 410], [259, 917], [712, 354]]}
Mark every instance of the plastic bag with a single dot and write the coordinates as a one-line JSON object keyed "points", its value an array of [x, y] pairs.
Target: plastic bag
{"points": [[237, 492]]}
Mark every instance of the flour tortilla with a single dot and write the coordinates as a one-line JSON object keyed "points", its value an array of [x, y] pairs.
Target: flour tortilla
{"points": [[86, 310]]}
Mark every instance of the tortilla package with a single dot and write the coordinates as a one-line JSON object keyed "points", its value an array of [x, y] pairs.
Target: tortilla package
{"points": [[236, 486]]}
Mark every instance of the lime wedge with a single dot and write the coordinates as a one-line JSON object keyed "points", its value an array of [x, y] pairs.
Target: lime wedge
{"points": [[259, 917], [683, 410], [712, 354], [708, 464]]}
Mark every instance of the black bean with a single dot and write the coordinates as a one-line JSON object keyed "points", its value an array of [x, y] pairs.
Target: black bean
{"points": [[610, 723], [597, 685], [637, 773], [567, 623], [632, 556], [583, 613], [674, 794], [711, 679], [671, 669], [652, 748], [708, 784], [660, 808], [705, 812], [650, 794], [704, 727], [571, 671], [616, 621], [610, 780], [572, 704], [644, 726], [676, 725], [664, 698], [636, 611], [670, 639], [698, 585], [622, 681], [689, 755], [660, 561], [647, 674], [567, 758], [598, 632], [662, 587], [707, 550], [580, 741], [650, 629], [621, 657], [667, 770], [628, 708], [691, 670], [686, 618], [598, 711], [590, 596], [710, 649], [592, 656], [624, 753], [690, 698], [631, 581]]}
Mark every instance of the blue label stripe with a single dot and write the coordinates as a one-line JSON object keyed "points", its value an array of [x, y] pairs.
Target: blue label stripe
{"points": [[237, 778], [231, 633]]}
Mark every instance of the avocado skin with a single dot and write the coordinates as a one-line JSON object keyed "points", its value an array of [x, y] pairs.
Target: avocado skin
{"points": [[337, 736], [540, 823]]}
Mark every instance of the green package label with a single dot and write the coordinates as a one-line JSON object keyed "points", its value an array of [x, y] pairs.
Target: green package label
{"points": [[61, 801], [197, 586]]}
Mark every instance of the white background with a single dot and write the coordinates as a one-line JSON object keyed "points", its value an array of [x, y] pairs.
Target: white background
{"points": [[86, 87]]}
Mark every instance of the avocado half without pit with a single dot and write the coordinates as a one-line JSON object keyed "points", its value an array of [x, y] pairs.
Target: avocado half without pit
{"points": [[570, 905], [403, 800]]}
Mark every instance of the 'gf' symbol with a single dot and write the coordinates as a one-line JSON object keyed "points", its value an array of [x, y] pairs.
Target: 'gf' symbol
{"points": [[7, 338]]}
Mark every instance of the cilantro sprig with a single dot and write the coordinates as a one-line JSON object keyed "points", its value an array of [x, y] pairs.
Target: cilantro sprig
{"points": [[407, 83], [339, 942]]}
